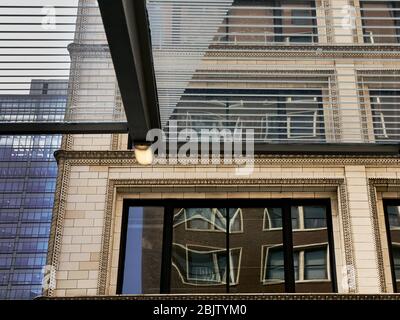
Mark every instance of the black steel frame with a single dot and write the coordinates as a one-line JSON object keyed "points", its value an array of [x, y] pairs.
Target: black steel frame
{"points": [[170, 204], [386, 203], [128, 34], [63, 128]]}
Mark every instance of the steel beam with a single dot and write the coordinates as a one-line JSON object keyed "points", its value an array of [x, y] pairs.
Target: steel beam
{"points": [[127, 28], [63, 128]]}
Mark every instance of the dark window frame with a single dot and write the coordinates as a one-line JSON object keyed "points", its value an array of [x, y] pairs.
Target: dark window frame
{"points": [[280, 95], [396, 15], [287, 236], [386, 203], [277, 13]]}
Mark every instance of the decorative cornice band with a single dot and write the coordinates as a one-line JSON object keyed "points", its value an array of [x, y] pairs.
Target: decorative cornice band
{"points": [[127, 157], [316, 50], [229, 297]]}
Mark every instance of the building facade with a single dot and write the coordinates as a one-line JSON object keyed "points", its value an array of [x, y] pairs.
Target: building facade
{"points": [[27, 184], [297, 73]]}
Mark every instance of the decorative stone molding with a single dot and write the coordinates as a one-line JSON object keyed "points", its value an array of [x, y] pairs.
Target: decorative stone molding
{"points": [[116, 186], [232, 297], [373, 183], [89, 50], [315, 50], [57, 222], [127, 157]]}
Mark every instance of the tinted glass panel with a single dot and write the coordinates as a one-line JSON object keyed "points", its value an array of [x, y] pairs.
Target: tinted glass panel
{"points": [[311, 254], [261, 247], [392, 209], [199, 259], [142, 265], [204, 255], [315, 264]]}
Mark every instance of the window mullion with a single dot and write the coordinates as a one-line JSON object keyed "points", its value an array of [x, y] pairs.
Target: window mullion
{"points": [[302, 265], [228, 264], [167, 250], [288, 248]]}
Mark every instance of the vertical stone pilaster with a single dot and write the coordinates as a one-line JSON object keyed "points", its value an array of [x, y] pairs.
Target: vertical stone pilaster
{"points": [[363, 240], [350, 115]]}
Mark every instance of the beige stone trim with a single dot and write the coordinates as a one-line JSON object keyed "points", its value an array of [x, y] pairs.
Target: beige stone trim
{"points": [[57, 223], [375, 185], [152, 187], [127, 158]]}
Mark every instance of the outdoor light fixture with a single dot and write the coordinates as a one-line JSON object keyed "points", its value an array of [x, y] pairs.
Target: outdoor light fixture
{"points": [[143, 154]]}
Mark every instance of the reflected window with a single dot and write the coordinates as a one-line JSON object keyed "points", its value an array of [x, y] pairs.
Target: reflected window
{"points": [[272, 218], [274, 265], [209, 219], [396, 260], [394, 216], [309, 264], [205, 266], [315, 264], [308, 217], [385, 114]]}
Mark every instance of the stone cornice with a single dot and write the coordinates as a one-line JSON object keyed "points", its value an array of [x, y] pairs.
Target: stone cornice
{"points": [[315, 50], [89, 50], [127, 157], [264, 296]]}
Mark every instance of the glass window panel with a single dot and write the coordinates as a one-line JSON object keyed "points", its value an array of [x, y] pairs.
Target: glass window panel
{"points": [[301, 17], [143, 251], [257, 237], [380, 21], [396, 260], [296, 255], [272, 218], [295, 217], [275, 270], [199, 258], [394, 216], [314, 217], [315, 264]]}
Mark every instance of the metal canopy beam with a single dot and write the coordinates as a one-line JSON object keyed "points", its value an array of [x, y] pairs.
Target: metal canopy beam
{"points": [[63, 128], [128, 34]]}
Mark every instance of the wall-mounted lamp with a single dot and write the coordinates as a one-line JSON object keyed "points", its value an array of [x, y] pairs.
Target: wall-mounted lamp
{"points": [[143, 154]]}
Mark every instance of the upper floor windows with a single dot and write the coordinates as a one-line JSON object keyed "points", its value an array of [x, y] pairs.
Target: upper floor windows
{"points": [[263, 22], [381, 21], [272, 114], [385, 113]]}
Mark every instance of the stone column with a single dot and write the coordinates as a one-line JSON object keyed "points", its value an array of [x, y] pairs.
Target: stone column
{"points": [[362, 230]]}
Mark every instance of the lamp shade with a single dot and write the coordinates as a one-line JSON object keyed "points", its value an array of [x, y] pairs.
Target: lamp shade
{"points": [[144, 154]]}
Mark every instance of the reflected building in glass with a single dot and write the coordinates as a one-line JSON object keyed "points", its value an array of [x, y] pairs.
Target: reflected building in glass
{"points": [[28, 174]]}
